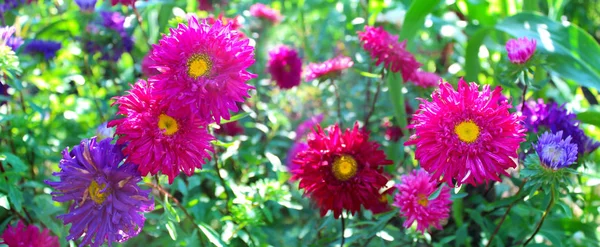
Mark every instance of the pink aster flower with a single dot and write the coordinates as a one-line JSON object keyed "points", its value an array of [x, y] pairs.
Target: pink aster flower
{"points": [[148, 66], [425, 79], [520, 50], [341, 170], [26, 236], [330, 68], [262, 11], [285, 67], [386, 49], [413, 200], [467, 135], [159, 138], [203, 66]]}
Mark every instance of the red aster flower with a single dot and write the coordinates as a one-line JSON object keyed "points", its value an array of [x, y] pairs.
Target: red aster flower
{"points": [[159, 138], [25, 236], [203, 66], [341, 170], [329, 68], [387, 50], [262, 11], [285, 67], [466, 135], [413, 200]]}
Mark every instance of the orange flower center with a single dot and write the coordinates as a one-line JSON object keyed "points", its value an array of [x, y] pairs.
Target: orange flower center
{"points": [[422, 200]]}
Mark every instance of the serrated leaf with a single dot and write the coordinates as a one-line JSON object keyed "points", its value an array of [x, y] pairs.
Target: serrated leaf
{"points": [[211, 234]]}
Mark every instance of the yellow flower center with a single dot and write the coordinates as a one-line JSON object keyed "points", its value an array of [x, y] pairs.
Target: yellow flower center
{"points": [[95, 191], [422, 200], [198, 65], [344, 167], [168, 124], [467, 131]]}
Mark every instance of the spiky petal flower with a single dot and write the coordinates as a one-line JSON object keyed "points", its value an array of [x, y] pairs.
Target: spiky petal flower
{"points": [[555, 118], [341, 170], [520, 50], [108, 205], [262, 11], [157, 138], [7, 38], [386, 49], [204, 66], [46, 48], [330, 68], [27, 236], [466, 135], [556, 152], [148, 66], [425, 79], [285, 66], [414, 203]]}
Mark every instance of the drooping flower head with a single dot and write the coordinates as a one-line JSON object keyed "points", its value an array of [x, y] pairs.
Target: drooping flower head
{"points": [[7, 38], [230, 129], [330, 68], [540, 116], [159, 138], [466, 135], [262, 11], [86, 5], [204, 66], [47, 48], [285, 67], [425, 79], [556, 152], [413, 200], [386, 49], [341, 170], [108, 205], [28, 236], [520, 50]]}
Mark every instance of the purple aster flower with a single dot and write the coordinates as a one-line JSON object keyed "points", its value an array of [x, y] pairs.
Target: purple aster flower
{"points": [[46, 48], [551, 116], [520, 50], [86, 5], [307, 126], [556, 152], [114, 41], [6, 37], [113, 20], [108, 204]]}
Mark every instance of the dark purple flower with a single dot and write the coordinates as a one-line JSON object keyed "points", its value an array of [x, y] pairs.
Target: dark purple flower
{"points": [[46, 48], [285, 66], [86, 5], [108, 204], [6, 37], [3, 92], [555, 118], [113, 20], [556, 152]]}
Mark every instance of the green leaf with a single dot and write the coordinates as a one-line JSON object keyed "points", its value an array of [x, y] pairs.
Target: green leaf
{"points": [[570, 51], [4, 202], [15, 196], [589, 117], [415, 17], [435, 194], [17, 164], [170, 211], [211, 234], [235, 118], [171, 229], [472, 64]]}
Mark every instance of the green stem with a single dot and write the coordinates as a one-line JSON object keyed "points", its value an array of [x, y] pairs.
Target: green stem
{"points": [[343, 229], [506, 214], [546, 212], [395, 85]]}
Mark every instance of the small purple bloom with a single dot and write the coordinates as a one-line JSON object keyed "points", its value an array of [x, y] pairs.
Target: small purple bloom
{"points": [[555, 118], [296, 148], [520, 50], [556, 152], [86, 5], [46, 48], [307, 126], [108, 204], [113, 20], [6, 37]]}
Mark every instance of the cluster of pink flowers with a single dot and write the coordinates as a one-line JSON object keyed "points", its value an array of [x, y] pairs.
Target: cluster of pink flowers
{"points": [[262, 11]]}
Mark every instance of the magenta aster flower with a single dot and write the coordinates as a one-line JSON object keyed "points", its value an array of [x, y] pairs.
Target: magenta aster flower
{"points": [[386, 49], [330, 68], [466, 135], [262, 11], [341, 170], [148, 66], [27, 236], [413, 200], [203, 66], [425, 79], [160, 139], [285, 67], [108, 205], [520, 50]]}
